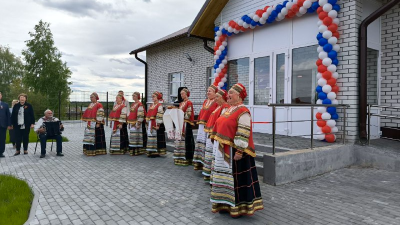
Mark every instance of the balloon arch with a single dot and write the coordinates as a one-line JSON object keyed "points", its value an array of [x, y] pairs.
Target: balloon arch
{"points": [[328, 50]]}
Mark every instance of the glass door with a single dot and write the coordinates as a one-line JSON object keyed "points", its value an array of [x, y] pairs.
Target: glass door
{"points": [[280, 94]]}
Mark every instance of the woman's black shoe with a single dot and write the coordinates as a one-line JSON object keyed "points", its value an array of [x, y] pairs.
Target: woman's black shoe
{"points": [[17, 153]]}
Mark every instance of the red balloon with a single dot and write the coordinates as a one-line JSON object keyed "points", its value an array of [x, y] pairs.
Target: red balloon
{"points": [[336, 34], [318, 116], [326, 129], [224, 70], [320, 9], [319, 62], [221, 75], [266, 7], [322, 15], [295, 8], [332, 82], [335, 89], [321, 68], [222, 38], [333, 27], [330, 138], [219, 43], [259, 12], [300, 2], [327, 75], [321, 123], [217, 80], [328, 21]]}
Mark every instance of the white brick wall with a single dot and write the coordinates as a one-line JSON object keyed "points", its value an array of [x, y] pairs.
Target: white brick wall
{"points": [[390, 72], [170, 57]]}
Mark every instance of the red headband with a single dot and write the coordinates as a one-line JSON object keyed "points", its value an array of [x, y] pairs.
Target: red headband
{"points": [[223, 94], [240, 89], [158, 94], [95, 95], [187, 91]]}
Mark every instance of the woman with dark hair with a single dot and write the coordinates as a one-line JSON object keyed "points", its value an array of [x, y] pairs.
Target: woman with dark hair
{"points": [[184, 149], [94, 141], [156, 145], [119, 135], [235, 186], [22, 119]]}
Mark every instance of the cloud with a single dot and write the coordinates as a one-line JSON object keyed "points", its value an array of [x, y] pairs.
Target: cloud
{"points": [[128, 61], [147, 0], [117, 74], [86, 8]]}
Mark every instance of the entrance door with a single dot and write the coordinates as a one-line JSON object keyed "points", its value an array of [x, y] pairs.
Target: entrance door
{"points": [[373, 91]]}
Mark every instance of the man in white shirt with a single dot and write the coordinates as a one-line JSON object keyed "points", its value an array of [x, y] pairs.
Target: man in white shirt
{"points": [[43, 136]]}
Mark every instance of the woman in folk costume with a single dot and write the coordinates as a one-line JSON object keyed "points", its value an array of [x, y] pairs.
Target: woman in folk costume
{"points": [[135, 119], [209, 105], [220, 99], [235, 186], [156, 144], [94, 141], [119, 135], [184, 149]]}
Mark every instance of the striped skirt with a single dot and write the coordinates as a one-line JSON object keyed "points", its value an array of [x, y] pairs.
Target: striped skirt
{"points": [[184, 150], [97, 145], [136, 141], [118, 143], [156, 144], [198, 157], [208, 157]]}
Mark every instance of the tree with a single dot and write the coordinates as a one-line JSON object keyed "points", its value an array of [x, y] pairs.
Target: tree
{"points": [[46, 74], [11, 68]]}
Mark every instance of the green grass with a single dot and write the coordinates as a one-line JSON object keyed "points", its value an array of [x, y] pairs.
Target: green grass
{"points": [[15, 200], [33, 138]]}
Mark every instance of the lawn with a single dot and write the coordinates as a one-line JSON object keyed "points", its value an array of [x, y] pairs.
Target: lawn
{"points": [[33, 138], [15, 200]]}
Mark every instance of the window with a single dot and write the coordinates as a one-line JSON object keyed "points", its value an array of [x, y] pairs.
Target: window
{"points": [[261, 80], [304, 75], [280, 78], [210, 76], [175, 81], [238, 72]]}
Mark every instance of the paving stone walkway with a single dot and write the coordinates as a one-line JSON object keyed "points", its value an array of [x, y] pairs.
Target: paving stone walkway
{"points": [[76, 189]]}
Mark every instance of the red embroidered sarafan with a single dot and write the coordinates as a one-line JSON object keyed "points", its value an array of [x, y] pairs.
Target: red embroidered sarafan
{"points": [[116, 112], [184, 106], [225, 130], [90, 113], [152, 114], [132, 118], [213, 117], [208, 107]]}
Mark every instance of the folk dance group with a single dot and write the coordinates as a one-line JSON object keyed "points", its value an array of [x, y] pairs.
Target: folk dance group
{"points": [[224, 150]]}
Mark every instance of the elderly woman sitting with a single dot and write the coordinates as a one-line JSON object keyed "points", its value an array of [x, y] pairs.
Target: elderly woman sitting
{"points": [[41, 130]]}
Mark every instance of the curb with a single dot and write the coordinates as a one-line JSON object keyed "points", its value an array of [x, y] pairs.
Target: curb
{"points": [[35, 203]]}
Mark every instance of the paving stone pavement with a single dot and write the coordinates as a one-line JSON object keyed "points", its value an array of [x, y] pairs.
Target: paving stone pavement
{"points": [[76, 189]]}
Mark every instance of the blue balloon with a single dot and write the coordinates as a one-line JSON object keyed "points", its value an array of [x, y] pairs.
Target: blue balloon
{"points": [[218, 61], [284, 3], [315, 5], [318, 89], [336, 7], [224, 31], [322, 95], [229, 34], [274, 14], [216, 66], [332, 2], [310, 10], [322, 42], [216, 29], [332, 55], [253, 23], [279, 8], [269, 20], [328, 47], [244, 17], [319, 36], [335, 62], [335, 116], [331, 110], [327, 101]]}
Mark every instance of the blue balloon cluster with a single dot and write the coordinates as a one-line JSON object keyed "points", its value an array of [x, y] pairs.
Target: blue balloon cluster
{"points": [[221, 57], [323, 42], [313, 7], [276, 11]]}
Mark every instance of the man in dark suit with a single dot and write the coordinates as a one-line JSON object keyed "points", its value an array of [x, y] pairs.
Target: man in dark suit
{"points": [[5, 122]]}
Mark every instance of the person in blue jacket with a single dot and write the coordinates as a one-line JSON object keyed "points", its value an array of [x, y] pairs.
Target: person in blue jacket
{"points": [[5, 123]]}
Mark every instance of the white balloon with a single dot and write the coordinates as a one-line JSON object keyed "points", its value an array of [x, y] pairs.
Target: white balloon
{"points": [[269, 10], [251, 15], [327, 61], [322, 82], [332, 14], [215, 75], [216, 57], [218, 52], [240, 22], [224, 79], [319, 23], [299, 14], [322, 55], [289, 5], [221, 47], [332, 68], [265, 15], [284, 11], [302, 10], [252, 27], [236, 31], [334, 130], [327, 88], [319, 101], [230, 29], [245, 25], [327, 34], [335, 102], [307, 4], [218, 70], [327, 7], [326, 116], [322, 2], [331, 123], [256, 18], [224, 43], [332, 40], [319, 137], [224, 61], [320, 49], [321, 110], [263, 21], [218, 33], [216, 38], [331, 95], [322, 28], [221, 66], [281, 16], [319, 76], [336, 21], [225, 25], [221, 84], [335, 75], [336, 48]]}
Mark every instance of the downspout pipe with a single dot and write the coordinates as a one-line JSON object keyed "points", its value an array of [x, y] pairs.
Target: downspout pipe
{"points": [[145, 78], [208, 48], [362, 69]]}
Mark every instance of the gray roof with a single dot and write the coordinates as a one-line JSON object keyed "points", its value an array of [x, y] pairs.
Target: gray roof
{"points": [[174, 36]]}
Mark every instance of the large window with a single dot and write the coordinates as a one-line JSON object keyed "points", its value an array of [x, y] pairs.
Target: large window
{"points": [[238, 72], [262, 80], [175, 81], [303, 75]]}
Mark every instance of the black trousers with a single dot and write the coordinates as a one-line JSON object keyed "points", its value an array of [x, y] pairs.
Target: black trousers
{"points": [[43, 142], [22, 135], [3, 132]]}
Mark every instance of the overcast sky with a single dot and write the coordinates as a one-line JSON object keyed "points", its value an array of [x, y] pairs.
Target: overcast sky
{"points": [[96, 36]]}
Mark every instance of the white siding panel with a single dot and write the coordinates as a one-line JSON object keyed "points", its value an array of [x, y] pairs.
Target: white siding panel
{"points": [[240, 45], [272, 37], [305, 29]]}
